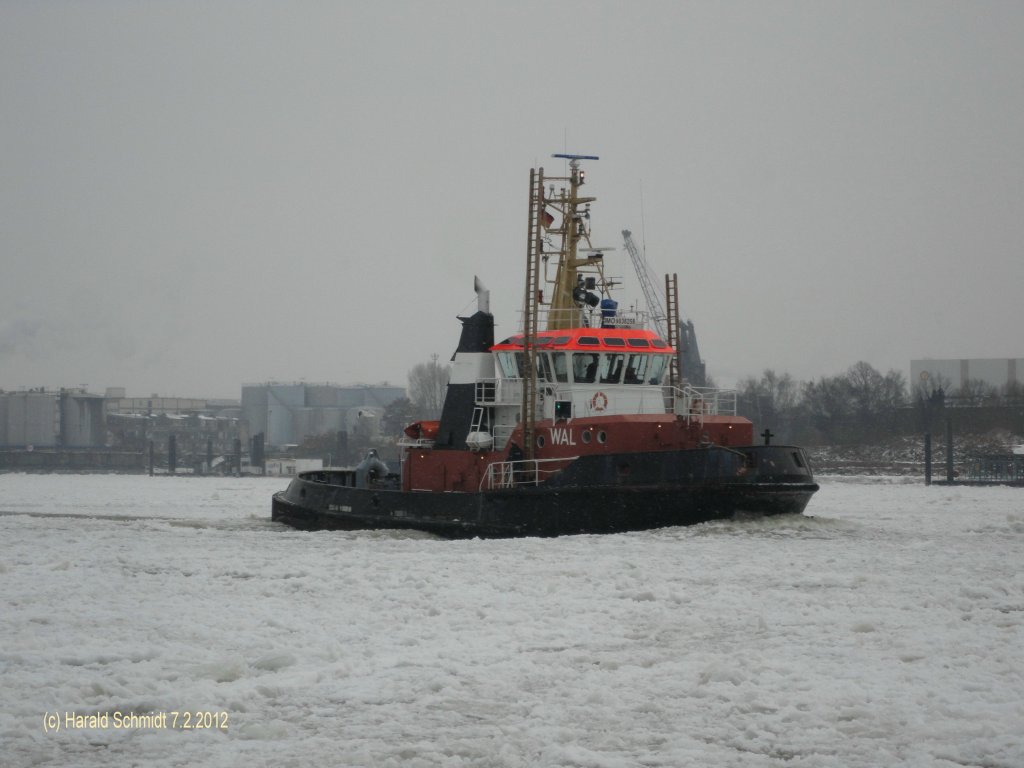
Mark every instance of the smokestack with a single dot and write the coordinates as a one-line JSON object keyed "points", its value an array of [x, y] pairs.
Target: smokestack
{"points": [[483, 296]]}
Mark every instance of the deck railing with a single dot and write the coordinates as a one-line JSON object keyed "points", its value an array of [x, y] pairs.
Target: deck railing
{"points": [[498, 391], [696, 403], [589, 317], [415, 442], [515, 474]]}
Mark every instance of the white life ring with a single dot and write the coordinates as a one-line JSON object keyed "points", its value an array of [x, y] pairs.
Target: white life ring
{"points": [[599, 401]]}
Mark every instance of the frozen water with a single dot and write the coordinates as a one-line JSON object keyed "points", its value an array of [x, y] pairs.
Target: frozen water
{"points": [[885, 630]]}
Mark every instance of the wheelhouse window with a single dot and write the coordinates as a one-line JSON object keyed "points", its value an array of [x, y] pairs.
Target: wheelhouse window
{"points": [[510, 364], [611, 368], [544, 368], [636, 365], [560, 366], [656, 372], [584, 367]]}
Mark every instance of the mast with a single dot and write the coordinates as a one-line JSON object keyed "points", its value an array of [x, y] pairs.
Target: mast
{"points": [[567, 293], [570, 291]]}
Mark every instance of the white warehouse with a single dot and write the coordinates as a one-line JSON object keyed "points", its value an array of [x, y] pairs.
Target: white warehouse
{"points": [[952, 375]]}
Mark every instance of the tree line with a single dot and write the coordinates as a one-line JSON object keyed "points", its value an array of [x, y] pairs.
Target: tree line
{"points": [[858, 406], [849, 407]]}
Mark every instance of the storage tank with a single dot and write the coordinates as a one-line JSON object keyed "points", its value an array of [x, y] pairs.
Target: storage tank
{"points": [[33, 418], [82, 421]]}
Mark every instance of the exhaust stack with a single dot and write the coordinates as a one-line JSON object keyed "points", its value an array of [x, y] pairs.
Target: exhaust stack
{"points": [[472, 362], [483, 296]]}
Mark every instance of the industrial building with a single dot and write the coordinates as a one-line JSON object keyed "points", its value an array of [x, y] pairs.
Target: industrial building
{"points": [[287, 413], [952, 376], [71, 429], [40, 418]]}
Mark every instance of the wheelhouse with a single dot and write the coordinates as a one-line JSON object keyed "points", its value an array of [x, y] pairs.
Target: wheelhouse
{"points": [[603, 356]]}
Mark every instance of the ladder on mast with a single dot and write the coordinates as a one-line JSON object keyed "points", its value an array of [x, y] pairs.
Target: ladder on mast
{"points": [[531, 311], [672, 323]]}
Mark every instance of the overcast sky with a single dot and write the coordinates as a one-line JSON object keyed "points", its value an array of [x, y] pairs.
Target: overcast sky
{"points": [[194, 195]]}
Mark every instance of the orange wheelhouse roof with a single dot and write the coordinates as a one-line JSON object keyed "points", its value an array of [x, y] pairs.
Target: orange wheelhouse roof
{"points": [[591, 339]]}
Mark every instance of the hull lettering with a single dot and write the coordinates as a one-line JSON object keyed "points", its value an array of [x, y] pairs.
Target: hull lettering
{"points": [[562, 437]]}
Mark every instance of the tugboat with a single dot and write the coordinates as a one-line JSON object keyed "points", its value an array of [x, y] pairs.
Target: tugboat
{"points": [[581, 423]]}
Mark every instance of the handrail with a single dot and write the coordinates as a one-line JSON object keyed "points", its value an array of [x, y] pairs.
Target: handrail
{"points": [[695, 403], [592, 318], [415, 442], [498, 391], [512, 474]]}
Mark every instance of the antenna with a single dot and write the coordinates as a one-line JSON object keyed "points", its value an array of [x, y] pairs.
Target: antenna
{"points": [[567, 156], [643, 224]]}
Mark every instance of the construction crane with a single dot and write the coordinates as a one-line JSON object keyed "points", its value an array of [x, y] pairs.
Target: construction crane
{"points": [[651, 296], [690, 366]]}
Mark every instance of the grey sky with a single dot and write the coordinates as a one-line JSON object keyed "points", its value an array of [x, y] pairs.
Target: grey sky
{"points": [[193, 195]]}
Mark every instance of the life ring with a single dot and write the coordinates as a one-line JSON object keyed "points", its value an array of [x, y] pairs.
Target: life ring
{"points": [[599, 401]]}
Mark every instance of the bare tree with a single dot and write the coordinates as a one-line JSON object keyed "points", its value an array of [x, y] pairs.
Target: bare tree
{"points": [[427, 385], [769, 401], [827, 403], [865, 387], [858, 405], [398, 414], [931, 388], [977, 392], [1013, 391]]}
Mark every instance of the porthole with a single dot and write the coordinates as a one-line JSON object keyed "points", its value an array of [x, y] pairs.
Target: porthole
{"points": [[587, 436], [540, 441], [602, 437]]}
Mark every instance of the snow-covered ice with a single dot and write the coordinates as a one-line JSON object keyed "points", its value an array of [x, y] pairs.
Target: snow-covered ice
{"points": [[886, 630]]}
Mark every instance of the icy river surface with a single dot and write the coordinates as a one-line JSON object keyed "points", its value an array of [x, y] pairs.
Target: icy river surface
{"points": [[885, 628]]}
